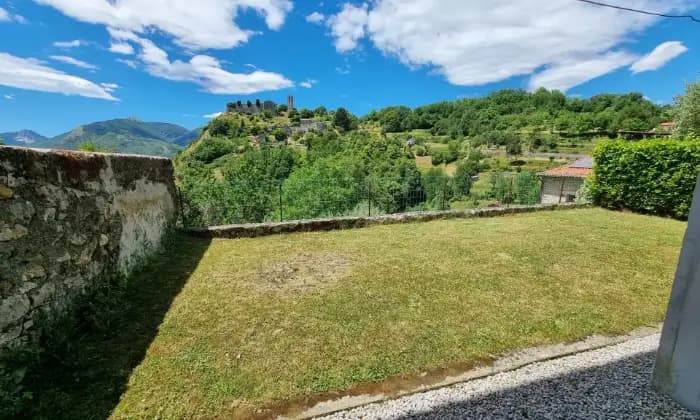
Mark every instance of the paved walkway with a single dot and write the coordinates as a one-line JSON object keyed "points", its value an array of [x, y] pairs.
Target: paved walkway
{"points": [[612, 382]]}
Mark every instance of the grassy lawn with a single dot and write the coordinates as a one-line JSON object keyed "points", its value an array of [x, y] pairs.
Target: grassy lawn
{"points": [[425, 163], [258, 321]]}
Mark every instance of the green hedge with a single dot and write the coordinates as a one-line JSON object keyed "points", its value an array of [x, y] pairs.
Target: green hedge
{"points": [[650, 176]]}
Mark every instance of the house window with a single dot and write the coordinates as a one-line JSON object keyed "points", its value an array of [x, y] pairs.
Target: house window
{"points": [[570, 198]]}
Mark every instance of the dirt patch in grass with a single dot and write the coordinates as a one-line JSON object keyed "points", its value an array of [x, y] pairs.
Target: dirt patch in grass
{"points": [[301, 272]]}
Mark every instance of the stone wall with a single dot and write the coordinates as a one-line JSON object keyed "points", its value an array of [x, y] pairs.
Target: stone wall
{"points": [[69, 220], [251, 230]]}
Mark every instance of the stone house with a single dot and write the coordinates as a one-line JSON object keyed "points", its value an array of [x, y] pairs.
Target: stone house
{"points": [[562, 185]]}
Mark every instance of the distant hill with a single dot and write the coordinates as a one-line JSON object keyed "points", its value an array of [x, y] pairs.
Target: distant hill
{"points": [[125, 135], [22, 138], [188, 137]]}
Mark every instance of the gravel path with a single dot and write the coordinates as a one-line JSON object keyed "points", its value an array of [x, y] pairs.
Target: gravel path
{"points": [[612, 382]]}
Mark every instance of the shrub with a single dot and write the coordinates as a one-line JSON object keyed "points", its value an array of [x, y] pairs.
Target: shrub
{"points": [[653, 176], [438, 158], [213, 148]]}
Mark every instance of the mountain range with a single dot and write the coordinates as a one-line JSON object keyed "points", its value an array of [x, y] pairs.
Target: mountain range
{"points": [[125, 135]]}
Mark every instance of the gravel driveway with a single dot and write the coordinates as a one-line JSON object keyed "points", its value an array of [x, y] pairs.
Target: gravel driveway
{"points": [[612, 382]]}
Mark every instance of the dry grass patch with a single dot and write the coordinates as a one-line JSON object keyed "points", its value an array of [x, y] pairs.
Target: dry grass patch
{"points": [[301, 272]]}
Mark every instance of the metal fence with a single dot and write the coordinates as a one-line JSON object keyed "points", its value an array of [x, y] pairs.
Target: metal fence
{"points": [[272, 200]]}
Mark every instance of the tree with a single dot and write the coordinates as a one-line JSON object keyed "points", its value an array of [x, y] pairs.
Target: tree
{"points": [[462, 181], [281, 108], [688, 111], [321, 111], [306, 113], [219, 127], [527, 188], [280, 135], [324, 188], [342, 119], [514, 147]]}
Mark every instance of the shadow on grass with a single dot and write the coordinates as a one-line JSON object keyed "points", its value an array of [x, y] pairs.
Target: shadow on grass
{"points": [[620, 389], [87, 381]]}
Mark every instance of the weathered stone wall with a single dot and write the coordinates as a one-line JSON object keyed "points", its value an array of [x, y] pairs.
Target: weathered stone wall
{"points": [[251, 230], [69, 220]]}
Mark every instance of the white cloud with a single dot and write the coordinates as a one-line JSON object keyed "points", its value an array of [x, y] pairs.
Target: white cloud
{"points": [[348, 26], [343, 70], [206, 24], [8, 96], [315, 17], [121, 48], [475, 42], [212, 115], [661, 55], [6, 16], [32, 74], [68, 44], [74, 62], [206, 71], [567, 74], [109, 87], [130, 63], [308, 83]]}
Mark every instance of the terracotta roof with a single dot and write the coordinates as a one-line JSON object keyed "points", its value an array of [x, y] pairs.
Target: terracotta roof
{"points": [[579, 169], [568, 171]]}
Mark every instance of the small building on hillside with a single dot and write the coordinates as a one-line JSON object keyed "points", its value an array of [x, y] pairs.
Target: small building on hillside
{"points": [[307, 124], [561, 185], [666, 127]]}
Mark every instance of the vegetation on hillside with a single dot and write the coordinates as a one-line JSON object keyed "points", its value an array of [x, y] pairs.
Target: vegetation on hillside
{"points": [[688, 111], [450, 154], [508, 111]]}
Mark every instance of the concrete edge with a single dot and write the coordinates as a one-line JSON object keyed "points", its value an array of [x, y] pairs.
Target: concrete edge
{"points": [[43, 150], [506, 363], [252, 230]]}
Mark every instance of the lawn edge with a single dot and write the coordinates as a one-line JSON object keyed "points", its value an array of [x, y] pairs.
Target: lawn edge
{"points": [[505, 363]]}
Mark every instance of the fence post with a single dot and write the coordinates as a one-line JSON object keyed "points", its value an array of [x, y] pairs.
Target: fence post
{"points": [[182, 208], [510, 192], [444, 192], [369, 199], [279, 188]]}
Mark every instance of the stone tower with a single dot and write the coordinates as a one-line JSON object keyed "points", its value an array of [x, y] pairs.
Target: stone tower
{"points": [[290, 102]]}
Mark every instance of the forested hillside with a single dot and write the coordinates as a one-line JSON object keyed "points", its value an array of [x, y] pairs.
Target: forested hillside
{"points": [[458, 154], [517, 110], [128, 135]]}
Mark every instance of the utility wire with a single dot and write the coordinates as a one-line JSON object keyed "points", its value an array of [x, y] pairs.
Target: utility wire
{"points": [[693, 18]]}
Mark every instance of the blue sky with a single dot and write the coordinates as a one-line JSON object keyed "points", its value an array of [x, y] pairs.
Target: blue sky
{"points": [[69, 62]]}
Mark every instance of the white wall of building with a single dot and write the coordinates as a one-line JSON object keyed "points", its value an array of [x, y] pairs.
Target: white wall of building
{"points": [[552, 189]]}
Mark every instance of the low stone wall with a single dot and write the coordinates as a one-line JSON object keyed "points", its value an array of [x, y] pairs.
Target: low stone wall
{"points": [[251, 230], [70, 219]]}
